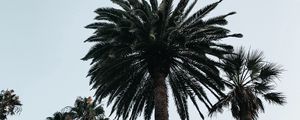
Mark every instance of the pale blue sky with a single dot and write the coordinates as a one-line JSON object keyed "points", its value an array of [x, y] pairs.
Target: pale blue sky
{"points": [[41, 43]]}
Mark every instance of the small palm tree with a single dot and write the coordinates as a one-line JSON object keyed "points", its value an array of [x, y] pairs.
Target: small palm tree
{"points": [[248, 78], [87, 109], [9, 104], [61, 116], [83, 109], [143, 47]]}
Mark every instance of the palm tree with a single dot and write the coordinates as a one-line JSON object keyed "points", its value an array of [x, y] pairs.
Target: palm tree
{"points": [[249, 79], [83, 109], [9, 104], [87, 109], [143, 47], [61, 116]]}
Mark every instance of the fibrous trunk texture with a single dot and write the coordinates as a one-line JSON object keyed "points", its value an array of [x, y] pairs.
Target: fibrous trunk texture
{"points": [[160, 96]]}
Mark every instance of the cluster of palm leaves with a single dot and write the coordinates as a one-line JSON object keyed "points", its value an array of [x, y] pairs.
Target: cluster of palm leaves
{"points": [[83, 109], [248, 78], [9, 104], [143, 47]]}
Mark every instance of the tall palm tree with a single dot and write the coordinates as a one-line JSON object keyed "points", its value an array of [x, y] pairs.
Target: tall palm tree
{"points": [[9, 104], [249, 78], [83, 109], [143, 47]]}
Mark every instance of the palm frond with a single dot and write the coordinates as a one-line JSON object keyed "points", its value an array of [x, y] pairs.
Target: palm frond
{"points": [[124, 4], [201, 13], [270, 71], [188, 10], [219, 20], [275, 97], [218, 107], [178, 12], [154, 5]]}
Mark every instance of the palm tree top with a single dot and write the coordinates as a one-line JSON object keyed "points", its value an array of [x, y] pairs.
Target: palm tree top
{"points": [[83, 109], [9, 104], [244, 69], [249, 78], [144, 41]]}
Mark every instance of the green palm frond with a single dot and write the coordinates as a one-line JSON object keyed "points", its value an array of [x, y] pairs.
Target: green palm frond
{"points": [[124, 4], [275, 97], [262, 87], [178, 12], [154, 5], [188, 10], [218, 107], [270, 71], [219, 20], [201, 13]]}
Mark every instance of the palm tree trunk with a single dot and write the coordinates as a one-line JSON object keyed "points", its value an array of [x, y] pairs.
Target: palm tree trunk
{"points": [[245, 116], [160, 96]]}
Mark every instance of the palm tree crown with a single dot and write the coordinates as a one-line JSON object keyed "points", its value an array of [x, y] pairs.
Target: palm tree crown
{"points": [[83, 109], [142, 46], [61, 116], [87, 109], [248, 77], [9, 104]]}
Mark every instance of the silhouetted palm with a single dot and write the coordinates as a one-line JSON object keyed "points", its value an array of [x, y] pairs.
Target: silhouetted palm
{"points": [[9, 104], [83, 109], [87, 109], [61, 116], [142, 47], [248, 78]]}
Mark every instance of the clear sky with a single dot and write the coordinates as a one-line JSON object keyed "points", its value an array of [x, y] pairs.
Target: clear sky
{"points": [[41, 43]]}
